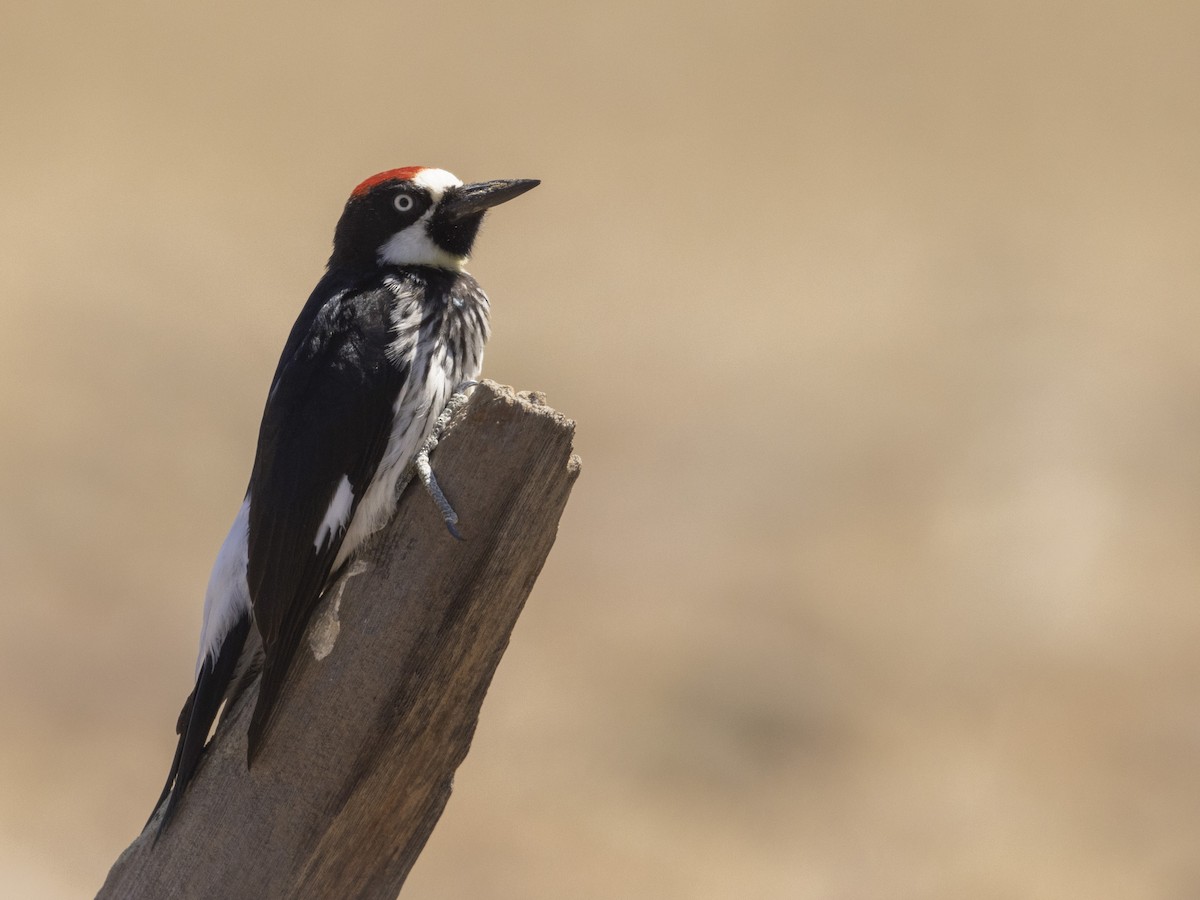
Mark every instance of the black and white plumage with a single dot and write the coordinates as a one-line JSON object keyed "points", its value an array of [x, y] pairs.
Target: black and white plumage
{"points": [[388, 334]]}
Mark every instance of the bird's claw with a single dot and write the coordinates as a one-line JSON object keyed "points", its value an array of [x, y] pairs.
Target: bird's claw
{"points": [[425, 471]]}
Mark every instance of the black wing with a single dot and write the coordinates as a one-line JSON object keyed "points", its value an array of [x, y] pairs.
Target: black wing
{"points": [[328, 418]]}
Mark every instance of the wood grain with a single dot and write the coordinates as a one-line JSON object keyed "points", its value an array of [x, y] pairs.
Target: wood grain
{"points": [[380, 709]]}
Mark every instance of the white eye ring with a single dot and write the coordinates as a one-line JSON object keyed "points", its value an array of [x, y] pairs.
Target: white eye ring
{"points": [[404, 202]]}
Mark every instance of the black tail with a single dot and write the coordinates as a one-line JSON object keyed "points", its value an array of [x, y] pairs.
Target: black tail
{"points": [[196, 718]]}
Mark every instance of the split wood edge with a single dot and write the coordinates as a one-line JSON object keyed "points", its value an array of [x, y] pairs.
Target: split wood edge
{"points": [[380, 709]]}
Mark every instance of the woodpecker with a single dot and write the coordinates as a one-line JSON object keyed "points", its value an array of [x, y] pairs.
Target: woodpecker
{"points": [[388, 337]]}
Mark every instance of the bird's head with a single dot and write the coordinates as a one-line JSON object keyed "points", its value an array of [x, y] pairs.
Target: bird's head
{"points": [[416, 216]]}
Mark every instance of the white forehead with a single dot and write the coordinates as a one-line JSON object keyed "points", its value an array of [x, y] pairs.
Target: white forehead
{"points": [[436, 181]]}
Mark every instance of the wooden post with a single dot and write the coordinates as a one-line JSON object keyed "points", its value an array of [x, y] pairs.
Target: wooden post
{"points": [[382, 704]]}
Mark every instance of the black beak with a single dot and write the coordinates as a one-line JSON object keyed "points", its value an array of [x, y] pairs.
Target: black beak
{"points": [[461, 202]]}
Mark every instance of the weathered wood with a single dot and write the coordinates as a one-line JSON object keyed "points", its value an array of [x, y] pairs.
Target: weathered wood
{"points": [[381, 708]]}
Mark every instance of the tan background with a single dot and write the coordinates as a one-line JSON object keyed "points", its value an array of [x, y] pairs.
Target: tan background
{"points": [[880, 324]]}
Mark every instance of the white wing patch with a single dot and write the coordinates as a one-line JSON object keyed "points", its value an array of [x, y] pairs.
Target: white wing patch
{"points": [[337, 514]]}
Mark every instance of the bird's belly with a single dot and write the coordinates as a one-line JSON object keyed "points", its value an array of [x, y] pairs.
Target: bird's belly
{"points": [[413, 418]]}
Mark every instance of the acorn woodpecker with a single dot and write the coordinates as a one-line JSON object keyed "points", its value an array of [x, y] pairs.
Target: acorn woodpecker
{"points": [[391, 334]]}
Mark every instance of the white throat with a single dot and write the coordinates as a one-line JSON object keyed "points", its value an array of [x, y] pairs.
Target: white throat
{"points": [[413, 246]]}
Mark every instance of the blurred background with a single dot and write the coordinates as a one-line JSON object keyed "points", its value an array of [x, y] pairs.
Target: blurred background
{"points": [[879, 322]]}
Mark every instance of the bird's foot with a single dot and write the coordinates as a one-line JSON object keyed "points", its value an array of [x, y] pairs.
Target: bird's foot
{"points": [[425, 472]]}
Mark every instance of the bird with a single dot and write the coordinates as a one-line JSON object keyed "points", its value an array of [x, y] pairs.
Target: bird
{"points": [[383, 350]]}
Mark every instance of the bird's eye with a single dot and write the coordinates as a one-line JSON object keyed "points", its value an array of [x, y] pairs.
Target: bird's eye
{"points": [[404, 202]]}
